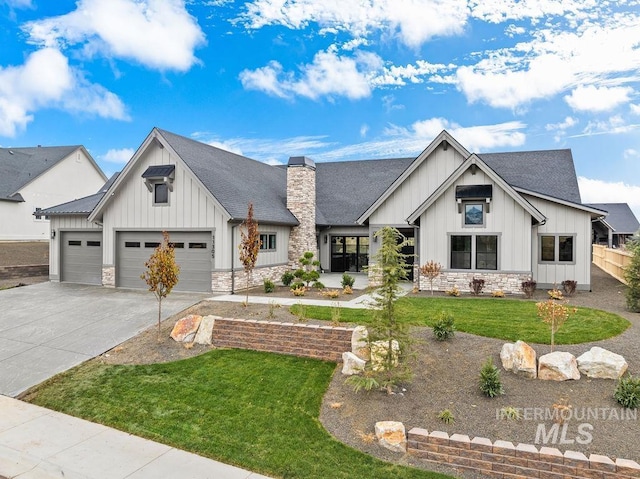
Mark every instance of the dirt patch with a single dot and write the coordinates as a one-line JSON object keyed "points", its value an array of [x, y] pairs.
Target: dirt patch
{"points": [[22, 253]]}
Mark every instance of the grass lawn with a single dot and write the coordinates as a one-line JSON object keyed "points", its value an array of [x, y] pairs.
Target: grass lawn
{"points": [[507, 319], [254, 410]]}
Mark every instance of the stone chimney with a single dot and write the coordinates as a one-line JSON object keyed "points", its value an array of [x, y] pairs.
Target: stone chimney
{"points": [[301, 201]]}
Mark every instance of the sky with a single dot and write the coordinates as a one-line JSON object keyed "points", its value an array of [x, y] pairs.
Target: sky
{"points": [[330, 79]]}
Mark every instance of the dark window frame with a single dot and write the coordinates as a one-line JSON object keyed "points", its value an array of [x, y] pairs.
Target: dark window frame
{"points": [[470, 256], [559, 251], [268, 242], [165, 194]]}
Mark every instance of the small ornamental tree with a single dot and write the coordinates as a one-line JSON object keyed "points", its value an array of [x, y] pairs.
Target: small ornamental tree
{"points": [[162, 272], [554, 314], [308, 273], [249, 246], [431, 270], [632, 275]]}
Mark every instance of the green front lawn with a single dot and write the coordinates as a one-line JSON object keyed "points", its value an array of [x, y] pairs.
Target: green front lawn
{"points": [[507, 319], [254, 410]]}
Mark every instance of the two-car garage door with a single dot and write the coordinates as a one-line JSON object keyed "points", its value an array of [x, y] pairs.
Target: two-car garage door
{"points": [[193, 255]]}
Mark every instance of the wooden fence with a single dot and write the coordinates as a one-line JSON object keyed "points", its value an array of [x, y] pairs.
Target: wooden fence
{"points": [[613, 261]]}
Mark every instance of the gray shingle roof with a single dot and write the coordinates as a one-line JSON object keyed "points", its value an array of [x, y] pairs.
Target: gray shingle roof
{"points": [[344, 190], [235, 180], [19, 166], [549, 172], [620, 217], [81, 206]]}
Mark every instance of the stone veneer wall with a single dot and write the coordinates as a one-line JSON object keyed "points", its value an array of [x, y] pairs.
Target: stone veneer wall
{"points": [[221, 280], [109, 276], [507, 282], [301, 201], [501, 459], [303, 340]]}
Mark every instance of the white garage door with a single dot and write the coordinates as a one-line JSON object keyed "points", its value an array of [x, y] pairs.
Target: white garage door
{"points": [[81, 257], [193, 255]]}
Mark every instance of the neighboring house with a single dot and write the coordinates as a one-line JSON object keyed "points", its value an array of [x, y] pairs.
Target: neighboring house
{"points": [[36, 178], [501, 217], [619, 225]]}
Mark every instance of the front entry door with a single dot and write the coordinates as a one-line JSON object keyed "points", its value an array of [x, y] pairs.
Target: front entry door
{"points": [[349, 253]]}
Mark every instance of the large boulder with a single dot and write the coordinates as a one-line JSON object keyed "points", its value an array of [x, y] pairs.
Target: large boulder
{"points": [[185, 329], [558, 366], [352, 364], [205, 331], [391, 435], [379, 354], [519, 358], [600, 363], [360, 343]]}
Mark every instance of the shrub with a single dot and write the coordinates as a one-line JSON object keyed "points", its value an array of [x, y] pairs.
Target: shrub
{"points": [[453, 292], [528, 288], [347, 280], [331, 293], [299, 273], [299, 291], [431, 270], [318, 285], [443, 327], [490, 383], [511, 413], [269, 287], [308, 271], [498, 293], [555, 293], [297, 285], [347, 290], [632, 276], [287, 278], [446, 416], [476, 285], [336, 313], [569, 286], [628, 392]]}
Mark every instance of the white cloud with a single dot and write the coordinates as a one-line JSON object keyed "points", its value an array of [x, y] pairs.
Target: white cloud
{"points": [[498, 11], [47, 80], [560, 129], [159, 34], [413, 73], [613, 125], [18, 3], [328, 74], [122, 155], [364, 129], [597, 99], [406, 19], [635, 109], [598, 191], [630, 153]]}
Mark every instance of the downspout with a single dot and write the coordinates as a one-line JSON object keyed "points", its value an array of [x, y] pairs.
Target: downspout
{"points": [[416, 254], [233, 275]]}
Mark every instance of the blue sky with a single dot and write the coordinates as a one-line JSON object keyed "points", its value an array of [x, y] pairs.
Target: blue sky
{"points": [[331, 79]]}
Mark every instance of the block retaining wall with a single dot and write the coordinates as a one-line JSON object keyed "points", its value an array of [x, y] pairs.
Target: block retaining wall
{"points": [[304, 340], [11, 272], [501, 459]]}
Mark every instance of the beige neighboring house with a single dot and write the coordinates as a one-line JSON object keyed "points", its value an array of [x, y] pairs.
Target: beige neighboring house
{"points": [[35, 178], [503, 217]]}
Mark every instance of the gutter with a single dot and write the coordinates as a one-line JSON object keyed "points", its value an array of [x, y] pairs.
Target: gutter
{"points": [[233, 276]]}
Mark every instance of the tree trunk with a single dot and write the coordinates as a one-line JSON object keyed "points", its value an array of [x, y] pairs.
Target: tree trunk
{"points": [[159, 315]]}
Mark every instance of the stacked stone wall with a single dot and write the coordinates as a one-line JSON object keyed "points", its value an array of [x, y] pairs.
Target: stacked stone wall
{"points": [[221, 281], [507, 282], [301, 201], [109, 276]]}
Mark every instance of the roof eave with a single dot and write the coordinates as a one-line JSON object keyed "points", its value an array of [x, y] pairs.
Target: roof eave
{"points": [[578, 206]]}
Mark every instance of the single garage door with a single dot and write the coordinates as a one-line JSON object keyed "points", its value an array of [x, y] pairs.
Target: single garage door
{"points": [[193, 255], [81, 257]]}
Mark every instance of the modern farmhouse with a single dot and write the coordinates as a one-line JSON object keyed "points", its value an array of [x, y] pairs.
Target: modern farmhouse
{"points": [[503, 217]]}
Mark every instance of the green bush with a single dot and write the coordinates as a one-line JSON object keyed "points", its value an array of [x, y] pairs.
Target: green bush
{"points": [[446, 416], [269, 287], [443, 327], [297, 285], [490, 383], [632, 276], [318, 285], [628, 392], [299, 273], [347, 280], [287, 278]]}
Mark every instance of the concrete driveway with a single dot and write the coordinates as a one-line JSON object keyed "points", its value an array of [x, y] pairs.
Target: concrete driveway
{"points": [[47, 328]]}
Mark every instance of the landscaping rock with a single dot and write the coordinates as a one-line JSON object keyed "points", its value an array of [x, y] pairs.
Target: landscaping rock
{"points": [[391, 435], [379, 351], [600, 363], [360, 343], [352, 364], [185, 329], [205, 331], [558, 366], [519, 358]]}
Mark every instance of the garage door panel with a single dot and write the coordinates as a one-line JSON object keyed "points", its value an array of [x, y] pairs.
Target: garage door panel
{"points": [[81, 257], [193, 255]]}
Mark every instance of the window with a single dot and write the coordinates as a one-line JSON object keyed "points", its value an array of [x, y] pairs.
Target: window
{"points": [[557, 248], [160, 194], [473, 214], [268, 242], [132, 244], [37, 216], [197, 245], [151, 244], [93, 243], [75, 243], [474, 252]]}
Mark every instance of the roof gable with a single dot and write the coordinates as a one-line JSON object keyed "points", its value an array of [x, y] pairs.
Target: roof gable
{"points": [[620, 217]]}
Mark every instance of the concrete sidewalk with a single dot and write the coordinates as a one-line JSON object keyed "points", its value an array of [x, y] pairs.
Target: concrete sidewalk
{"points": [[36, 443]]}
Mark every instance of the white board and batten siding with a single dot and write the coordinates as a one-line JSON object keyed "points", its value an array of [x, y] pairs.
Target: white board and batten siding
{"points": [[562, 220], [278, 256], [62, 225], [506, 219]]}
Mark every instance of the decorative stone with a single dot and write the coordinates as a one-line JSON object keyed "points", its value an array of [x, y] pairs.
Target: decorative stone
{"points": [[558, 366], [519, 358], [379, 352], [185, 329], [600, 363], [391, 435], [352, 364], [205, 331], [360, 343]]}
